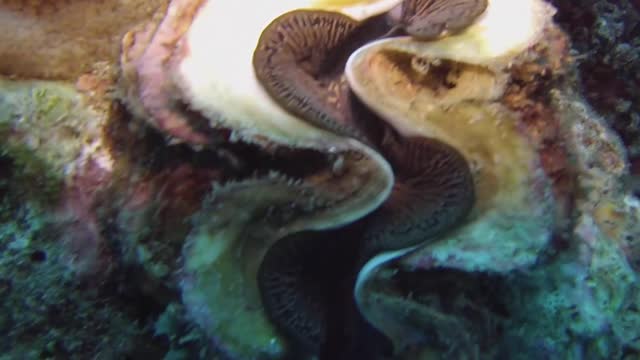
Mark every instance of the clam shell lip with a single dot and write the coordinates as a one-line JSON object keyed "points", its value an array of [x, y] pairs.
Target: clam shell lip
{"points": [[218, 76], [504, 30]]}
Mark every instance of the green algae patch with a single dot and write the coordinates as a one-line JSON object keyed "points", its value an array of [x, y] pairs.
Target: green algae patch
{"points": [[234, 321], [29, 175]]}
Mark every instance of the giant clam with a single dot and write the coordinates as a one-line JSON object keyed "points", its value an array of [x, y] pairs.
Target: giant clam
{"points": [[443, 168]]}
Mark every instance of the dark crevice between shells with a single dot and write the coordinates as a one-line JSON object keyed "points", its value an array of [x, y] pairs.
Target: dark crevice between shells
{"points": [[197, 123], [305, 287], [433, 192], [300, 62], [238, 159], [351, 336], [365, 342]]}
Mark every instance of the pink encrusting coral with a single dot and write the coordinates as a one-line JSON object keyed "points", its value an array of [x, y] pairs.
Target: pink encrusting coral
{"points": [[148, 60], [81, 228]]}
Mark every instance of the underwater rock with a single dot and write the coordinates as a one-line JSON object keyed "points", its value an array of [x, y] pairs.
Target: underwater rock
{"points": [[56, 263], [605, 45], [93, 208], [589, 285], [55, 139]]}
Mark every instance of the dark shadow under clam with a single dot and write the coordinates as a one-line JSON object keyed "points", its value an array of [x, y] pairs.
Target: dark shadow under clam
{"points": [[434, 191], [431, 19], [300, 61]]}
